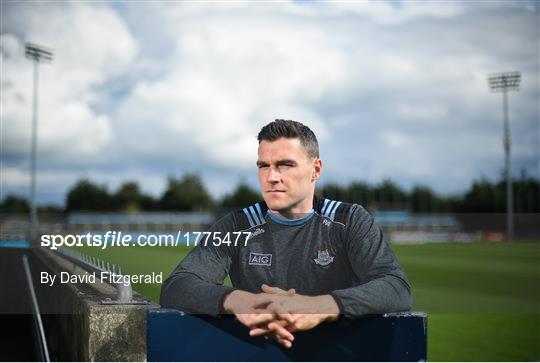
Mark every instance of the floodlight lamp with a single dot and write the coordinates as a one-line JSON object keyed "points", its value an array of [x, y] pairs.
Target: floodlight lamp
{"points": [[508, 81], [38, 53]]}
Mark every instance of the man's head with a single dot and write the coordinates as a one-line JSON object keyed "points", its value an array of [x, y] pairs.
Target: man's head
{"points": [[289, 164]]}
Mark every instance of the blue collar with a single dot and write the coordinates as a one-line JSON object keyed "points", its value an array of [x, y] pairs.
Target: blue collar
{"points": [[290, 222]]}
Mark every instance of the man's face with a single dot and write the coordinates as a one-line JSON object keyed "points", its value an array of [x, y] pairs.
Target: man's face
{"points": [[287, 175]]}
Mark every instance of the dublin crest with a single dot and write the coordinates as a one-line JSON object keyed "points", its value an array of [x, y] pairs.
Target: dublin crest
{"points": [[323, 258]]}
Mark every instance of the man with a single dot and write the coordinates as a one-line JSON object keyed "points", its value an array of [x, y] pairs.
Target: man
{"points": [[307, 259]]}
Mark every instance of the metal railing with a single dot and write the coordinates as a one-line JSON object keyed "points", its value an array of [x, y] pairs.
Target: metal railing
{"points": [[124, 291], [42, 342]]}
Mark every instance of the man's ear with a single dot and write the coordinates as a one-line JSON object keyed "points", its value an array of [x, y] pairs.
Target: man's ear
{"points": [[317, 169]]}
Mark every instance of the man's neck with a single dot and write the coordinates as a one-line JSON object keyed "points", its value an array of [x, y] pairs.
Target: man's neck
{"points": [[297, 211]]}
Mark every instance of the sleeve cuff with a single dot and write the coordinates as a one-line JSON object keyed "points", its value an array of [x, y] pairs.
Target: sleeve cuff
{"points": [[221, 300], [343, 318], [339, 303]]}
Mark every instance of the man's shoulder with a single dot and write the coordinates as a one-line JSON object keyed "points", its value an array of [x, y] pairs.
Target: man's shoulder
{"points": [[338, 211], [244, 218]]}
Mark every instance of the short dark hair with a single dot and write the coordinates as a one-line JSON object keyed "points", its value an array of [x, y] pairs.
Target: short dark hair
{"points": [[291, 130]]}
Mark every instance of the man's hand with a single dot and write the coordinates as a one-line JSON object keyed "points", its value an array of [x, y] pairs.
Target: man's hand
{"points": [[323, 305], [277, 313], [250, 309], [307, 312], [247, 307], [275, 329]]}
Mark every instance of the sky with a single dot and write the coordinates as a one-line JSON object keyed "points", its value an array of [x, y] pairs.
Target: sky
{"points": [[146, 90]]}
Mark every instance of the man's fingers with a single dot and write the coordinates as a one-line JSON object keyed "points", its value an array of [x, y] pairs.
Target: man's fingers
{"points": [[272, 311], [264, 299], [284, 342], [281, 312], [272, 289], [252, 320], [263, 329], [280, 331], [276, 332], [258, 331], [277, 290], [291, 292], [258, 319]]}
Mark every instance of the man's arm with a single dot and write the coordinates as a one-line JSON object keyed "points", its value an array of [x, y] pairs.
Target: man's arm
{"points": [[196, 285], [383, 286]]}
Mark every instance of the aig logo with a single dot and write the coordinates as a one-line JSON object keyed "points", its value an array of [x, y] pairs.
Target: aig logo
{"points": [[260, 259]]}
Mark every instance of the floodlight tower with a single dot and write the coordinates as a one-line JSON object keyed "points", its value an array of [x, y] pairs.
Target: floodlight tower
{"points": [[37, 54], [504, 82]]}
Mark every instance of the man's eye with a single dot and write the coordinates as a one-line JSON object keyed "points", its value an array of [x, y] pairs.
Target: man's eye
{"points": [[284, 167], [262, 166]]}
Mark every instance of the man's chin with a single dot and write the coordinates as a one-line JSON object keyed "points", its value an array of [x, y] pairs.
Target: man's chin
{"points": [[276, 205]]}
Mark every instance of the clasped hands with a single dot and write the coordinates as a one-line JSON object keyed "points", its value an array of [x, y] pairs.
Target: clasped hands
{"points": [[277, 314]]}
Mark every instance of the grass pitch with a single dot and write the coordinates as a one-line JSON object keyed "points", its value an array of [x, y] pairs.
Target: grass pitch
{"points": [[483, 299]]}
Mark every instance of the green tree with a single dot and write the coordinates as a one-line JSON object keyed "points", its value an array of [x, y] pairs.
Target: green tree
{"points": [[424, 200], [389, 195], [87, 196], [186, 194], [361, 193], [50, 209], [527, 195], [130, 198], [241, 197], [483, 197], [333, 191], [14, 204]]}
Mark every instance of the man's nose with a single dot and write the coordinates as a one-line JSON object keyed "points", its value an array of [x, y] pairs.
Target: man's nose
{"points": [[273, 176]]}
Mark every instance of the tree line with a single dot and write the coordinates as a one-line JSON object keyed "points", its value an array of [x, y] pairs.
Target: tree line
{"points": [[189, 194]]}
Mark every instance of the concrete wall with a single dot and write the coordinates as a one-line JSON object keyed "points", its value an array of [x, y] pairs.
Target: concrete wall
{"points": [[78, 326]]}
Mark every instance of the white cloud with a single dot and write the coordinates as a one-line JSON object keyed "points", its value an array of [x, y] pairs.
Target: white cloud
{"points": [[87, 54], [233, 77], [395, 140], [387, 13], [392, 90]]}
